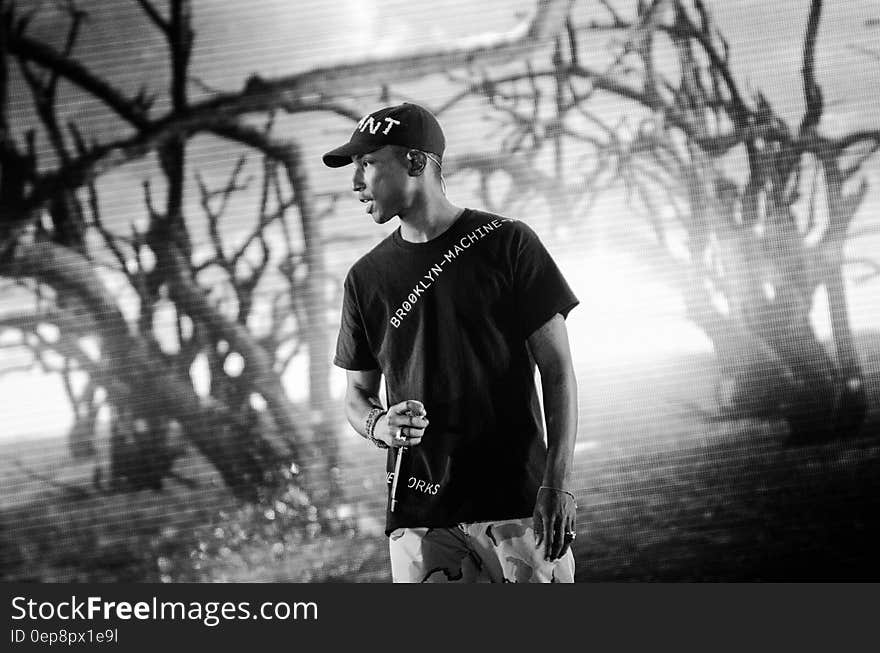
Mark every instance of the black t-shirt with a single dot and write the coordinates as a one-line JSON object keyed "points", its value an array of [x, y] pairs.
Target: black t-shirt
{"points": [[446, 323]]}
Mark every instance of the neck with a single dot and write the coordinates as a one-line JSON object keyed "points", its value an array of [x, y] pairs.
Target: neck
{"points": [[427, 217]]}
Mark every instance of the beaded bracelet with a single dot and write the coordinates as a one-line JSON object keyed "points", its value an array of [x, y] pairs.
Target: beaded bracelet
{"points": [[370, 426], [556, 489]]}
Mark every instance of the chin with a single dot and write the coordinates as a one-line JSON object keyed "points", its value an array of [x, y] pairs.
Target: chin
{"points": [[378, 218]]}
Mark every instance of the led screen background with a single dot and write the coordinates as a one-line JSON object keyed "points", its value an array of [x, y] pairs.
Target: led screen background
{"points": [[669, 485]]}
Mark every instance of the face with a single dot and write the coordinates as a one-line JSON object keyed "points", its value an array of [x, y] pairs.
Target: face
{"points": [[382, 183]]}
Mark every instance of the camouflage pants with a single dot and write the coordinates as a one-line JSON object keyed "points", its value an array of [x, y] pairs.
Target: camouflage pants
{"points": [[496, 552]]}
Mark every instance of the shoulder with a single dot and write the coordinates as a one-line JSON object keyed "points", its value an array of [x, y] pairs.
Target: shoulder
{"points": [[512, 231], [490, 221], [365, 267]]}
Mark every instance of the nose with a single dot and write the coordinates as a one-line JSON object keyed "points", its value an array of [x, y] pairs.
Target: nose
{"points": [[357, 180]]}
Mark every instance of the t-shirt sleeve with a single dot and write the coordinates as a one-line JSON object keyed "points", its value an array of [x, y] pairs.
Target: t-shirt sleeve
{"points": [[352, 349], [540, 290]]}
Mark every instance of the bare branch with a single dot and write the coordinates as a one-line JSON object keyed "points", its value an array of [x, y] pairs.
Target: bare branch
{"points": [[180, 39], [684, 29], [77, 16], [213, 216], [618, 22], [841, 207], [154, 15], [257, 95], [266, 218], [811, 211], [572, 40], [69, 68], [857, 137], [103, 158], [857, 164], [343, 79], [812, 92], [872, 264], [110, 240], [70, 326]]}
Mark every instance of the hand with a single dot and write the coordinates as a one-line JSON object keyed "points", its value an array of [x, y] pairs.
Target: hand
{"points": [[554, 521], [403, 425]]}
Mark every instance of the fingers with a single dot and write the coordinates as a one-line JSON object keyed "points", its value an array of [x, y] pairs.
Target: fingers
{"points": [[545, 528], [406, 423], [558, 539], [553, 532], [410, 421], [566, 545], [412, 406], [538, 527], [408, 413], [407, 436], [554, 526]]}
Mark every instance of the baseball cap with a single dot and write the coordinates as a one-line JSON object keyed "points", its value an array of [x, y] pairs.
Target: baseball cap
{"points": [[407, 124]]}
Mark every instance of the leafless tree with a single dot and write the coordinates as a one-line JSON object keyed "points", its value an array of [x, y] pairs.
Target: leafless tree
{"points": [[58, 246], [56, 243], [732, 193]]}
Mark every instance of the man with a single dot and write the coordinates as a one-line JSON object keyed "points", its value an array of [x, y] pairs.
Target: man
{"points": [[454, 309]]}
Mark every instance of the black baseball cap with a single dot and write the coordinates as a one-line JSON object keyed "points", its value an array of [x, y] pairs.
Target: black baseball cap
{"points": [[409, 125]]}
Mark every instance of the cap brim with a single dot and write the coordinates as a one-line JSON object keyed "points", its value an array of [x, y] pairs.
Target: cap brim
{"points": [[341, 156]]}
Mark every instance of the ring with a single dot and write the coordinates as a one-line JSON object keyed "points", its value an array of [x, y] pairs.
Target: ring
{"points": [[399, 435], [570, 535]]}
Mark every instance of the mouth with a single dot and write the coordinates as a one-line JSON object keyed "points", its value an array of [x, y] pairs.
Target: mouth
{"points": [[369, 203]]}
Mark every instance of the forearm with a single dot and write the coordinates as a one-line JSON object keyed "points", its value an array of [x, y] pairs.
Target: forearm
{"points": [[358, 403], [560, 411], [400, 425]]}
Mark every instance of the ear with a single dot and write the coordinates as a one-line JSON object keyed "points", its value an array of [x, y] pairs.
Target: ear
{"points": [[417, 162]]}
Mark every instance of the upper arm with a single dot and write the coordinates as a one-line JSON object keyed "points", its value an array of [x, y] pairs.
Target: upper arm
{"points": [[540, 290], [353, 350], [550, 349]]}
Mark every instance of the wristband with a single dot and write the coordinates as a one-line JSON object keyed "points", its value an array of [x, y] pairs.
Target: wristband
{"points": [[556, 489], [370, 426]]}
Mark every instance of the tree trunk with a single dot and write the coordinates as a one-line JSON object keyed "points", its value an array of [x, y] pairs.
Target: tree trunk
{"points": [[325, 433], [770, 294], [852, 402], [145, 386]]}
